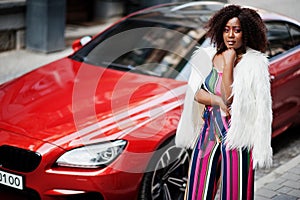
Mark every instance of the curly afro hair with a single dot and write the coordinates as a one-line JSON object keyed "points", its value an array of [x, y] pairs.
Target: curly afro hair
{"points": [[253, 28]]}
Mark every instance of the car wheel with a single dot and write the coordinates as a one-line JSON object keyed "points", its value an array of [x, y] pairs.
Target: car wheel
{"points": [[167, 174]]}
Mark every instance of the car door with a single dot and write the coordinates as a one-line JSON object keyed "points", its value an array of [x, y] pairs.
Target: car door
{"points": [[284, 52]]}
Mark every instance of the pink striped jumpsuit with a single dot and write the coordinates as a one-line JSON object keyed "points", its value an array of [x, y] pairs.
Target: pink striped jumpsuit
{"points": [[212, 164]]}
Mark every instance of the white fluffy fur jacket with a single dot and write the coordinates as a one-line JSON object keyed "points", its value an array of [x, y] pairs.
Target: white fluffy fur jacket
{"points": [[251, 109]]}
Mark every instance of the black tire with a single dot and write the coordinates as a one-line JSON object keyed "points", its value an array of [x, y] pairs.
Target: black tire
{"points": [[167, 174]]}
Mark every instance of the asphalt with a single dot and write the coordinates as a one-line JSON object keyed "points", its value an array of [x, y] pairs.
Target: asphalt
{"points": [[282, 183]]}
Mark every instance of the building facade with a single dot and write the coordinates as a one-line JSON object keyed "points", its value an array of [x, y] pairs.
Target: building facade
{"points": [[39, 24]]}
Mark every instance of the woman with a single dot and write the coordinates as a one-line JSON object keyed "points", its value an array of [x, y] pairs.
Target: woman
{"points": [[236, 135]]}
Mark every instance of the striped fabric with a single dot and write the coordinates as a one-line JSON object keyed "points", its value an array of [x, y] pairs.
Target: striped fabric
{"points": [[213, 165]]}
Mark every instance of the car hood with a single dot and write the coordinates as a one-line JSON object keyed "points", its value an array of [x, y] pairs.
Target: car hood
{"points": [[68, 103]]}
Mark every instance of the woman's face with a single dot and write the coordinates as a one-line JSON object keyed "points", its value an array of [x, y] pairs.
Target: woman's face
{"points": [[232, 34]]}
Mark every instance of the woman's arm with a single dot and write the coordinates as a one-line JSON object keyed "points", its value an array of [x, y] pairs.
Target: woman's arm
{"points": [[208, 99], [227, 77]]}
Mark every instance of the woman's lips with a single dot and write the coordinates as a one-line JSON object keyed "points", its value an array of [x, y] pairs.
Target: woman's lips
{"points": [[230, 42]]}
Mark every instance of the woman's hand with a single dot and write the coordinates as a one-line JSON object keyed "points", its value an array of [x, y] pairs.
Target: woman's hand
{"points": [[206, 98], [229, 57], [223, 106]]}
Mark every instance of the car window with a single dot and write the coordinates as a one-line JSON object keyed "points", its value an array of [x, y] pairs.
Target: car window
{"points": [[279, 38], [186, 71], [145, 47], [295, 33]]}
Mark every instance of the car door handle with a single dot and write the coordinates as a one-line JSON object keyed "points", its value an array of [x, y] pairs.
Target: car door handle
{"points": [[272, 77]]}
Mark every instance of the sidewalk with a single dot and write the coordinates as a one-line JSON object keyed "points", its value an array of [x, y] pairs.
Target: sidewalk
{"points": [[283, 183]]}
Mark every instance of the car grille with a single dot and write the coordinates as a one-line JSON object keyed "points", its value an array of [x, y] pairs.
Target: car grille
{"points": [[17, 159]]}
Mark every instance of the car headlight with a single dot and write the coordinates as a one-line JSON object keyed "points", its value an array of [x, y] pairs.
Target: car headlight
{"points": [[92, 156]]}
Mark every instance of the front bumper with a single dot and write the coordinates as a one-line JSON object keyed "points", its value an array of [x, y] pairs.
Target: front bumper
{"points": [[48, 182], [68, 183]]}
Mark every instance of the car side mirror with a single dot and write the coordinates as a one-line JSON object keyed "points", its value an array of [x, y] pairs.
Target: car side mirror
{"points": [[77, 44]]}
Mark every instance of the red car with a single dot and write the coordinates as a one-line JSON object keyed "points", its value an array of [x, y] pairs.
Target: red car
{"points": [[100, 123]]}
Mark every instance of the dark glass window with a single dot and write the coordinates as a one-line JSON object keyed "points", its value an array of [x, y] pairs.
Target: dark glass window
{"points": [[142, 46], [279, 38], [295, 33], [282, 37]]}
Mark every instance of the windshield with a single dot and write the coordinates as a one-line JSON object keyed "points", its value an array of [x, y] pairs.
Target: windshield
{"points": [[143, 46]]}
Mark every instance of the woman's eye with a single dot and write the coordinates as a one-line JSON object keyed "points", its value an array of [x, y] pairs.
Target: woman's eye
{"points": [[237, 30], [226, 30]]}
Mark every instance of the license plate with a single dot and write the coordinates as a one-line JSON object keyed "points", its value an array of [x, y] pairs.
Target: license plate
{"points": [[11, 180]]}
